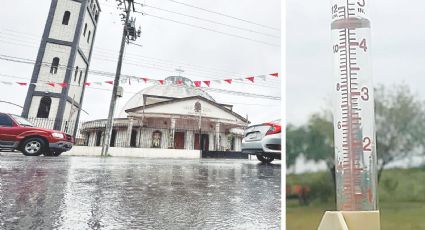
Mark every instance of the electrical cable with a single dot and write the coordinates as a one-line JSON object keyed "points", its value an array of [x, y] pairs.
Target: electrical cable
{"points": [[238, 93], [208, 29], [216, 71], [210, 21], [96, 72], [224, 15]]}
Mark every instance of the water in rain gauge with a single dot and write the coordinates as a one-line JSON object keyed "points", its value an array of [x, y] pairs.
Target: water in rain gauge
{"points": [[354, 120]]}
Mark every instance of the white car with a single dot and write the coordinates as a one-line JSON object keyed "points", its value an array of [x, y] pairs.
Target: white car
{"points": [[264, 141]]}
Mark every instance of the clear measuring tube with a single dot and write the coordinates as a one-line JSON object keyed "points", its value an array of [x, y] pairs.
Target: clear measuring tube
{"points": [[354, 119]]}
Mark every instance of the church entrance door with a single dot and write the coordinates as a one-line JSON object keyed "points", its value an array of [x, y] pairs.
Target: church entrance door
{"points": [[197, 144], [179, 140], [205, 142]]}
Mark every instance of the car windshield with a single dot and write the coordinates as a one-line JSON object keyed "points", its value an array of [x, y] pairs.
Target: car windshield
{"points": [[22, 121]]}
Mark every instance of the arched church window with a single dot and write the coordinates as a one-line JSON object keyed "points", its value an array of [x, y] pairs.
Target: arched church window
{"points": [[85, 29], [55, 64], [88, 37], [156, 139], [44, 108], [79, 79], [66, 17], [75, 74]]}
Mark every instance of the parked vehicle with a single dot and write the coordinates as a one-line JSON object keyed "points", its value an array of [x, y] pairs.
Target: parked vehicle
{"points": [[16, 133], [264, 141]]}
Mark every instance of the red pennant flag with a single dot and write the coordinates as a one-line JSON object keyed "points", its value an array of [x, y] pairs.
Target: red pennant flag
{"points": [[161, 82], [51, 84], [228, 81], [22, 83], [197, 83], [207, 83], [144, 79], [64, 84], [251, 79], [110, 82], [275, 74], [179, 82], [87, 84]]}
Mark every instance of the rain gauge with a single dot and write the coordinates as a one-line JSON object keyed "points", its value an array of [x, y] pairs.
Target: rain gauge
{"points": [[354, 119]]}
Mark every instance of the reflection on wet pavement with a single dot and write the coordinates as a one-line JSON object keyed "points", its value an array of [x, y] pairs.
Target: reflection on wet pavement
{"points": [[136, 193]]}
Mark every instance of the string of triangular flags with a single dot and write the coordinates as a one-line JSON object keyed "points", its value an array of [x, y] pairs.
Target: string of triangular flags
{"points": [[128, 80]]}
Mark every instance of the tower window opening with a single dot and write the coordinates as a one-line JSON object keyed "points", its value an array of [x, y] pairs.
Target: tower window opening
{"points": [[66, 17], [85, 29], [44, 108], [79, 79], [88, 37], [55, 65], [75, 74]]}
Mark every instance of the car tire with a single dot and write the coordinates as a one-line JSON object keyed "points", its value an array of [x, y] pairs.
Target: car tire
{"points": [[265, 159], [33, 146]]}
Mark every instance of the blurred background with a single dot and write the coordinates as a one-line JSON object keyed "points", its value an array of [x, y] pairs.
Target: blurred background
{"points": [[399, 77]]}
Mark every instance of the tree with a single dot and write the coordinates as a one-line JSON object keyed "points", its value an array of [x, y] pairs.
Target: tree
{"points": [[320, 138], [400, 124], [295, 143]]}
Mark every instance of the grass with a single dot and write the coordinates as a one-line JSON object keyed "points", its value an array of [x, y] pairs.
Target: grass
{"points": [[394, 215], [401, 193]]}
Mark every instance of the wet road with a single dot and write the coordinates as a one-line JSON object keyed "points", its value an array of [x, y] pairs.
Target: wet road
{"points": [[135, 193]]}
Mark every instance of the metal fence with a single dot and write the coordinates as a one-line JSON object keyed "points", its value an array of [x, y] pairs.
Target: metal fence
{"points": [[151, 133]]}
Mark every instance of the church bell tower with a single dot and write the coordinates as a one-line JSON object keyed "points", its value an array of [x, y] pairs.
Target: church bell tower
{"points": [[56, 92]]}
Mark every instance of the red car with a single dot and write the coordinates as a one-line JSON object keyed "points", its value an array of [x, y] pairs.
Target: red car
{"points": [[18, 133]]}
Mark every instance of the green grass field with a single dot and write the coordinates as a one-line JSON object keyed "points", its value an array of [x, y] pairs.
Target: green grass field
{"points": [[401, 192], [394, 216]]}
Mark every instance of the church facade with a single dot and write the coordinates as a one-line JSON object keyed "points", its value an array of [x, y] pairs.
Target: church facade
{"points": [[175, 115]]}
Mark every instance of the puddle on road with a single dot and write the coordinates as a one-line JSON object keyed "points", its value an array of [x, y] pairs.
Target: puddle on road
{"points": [[135, 193]]}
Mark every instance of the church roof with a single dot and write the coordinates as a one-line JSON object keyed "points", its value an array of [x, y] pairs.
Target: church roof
{"points": [[220, 106], [173, 87]]}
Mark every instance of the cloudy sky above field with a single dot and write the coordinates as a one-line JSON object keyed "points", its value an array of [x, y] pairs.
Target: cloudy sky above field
{"points": [[398, 51], [164, 46]]}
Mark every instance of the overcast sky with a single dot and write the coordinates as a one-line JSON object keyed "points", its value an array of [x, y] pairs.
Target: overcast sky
{"points": [[165, 46], [398, 51]]}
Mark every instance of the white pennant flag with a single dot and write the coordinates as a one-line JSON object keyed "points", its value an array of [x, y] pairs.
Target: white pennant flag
{"points": [[217, 81], [97, 83], [238, 79], [7, 83], [263, 77]]}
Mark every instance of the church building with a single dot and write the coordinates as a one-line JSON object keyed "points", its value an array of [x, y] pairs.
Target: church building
{"points": [[174, 115]]}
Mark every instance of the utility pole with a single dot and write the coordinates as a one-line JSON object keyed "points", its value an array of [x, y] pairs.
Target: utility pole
{"points": [[129, 33]]}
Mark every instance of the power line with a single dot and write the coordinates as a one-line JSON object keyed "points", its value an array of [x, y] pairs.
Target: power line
{"points": [[201, 68], [224, 15], [238, 93], [208, 29], [10, 103], [208, 20], [141, 65], [96, 56]]}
